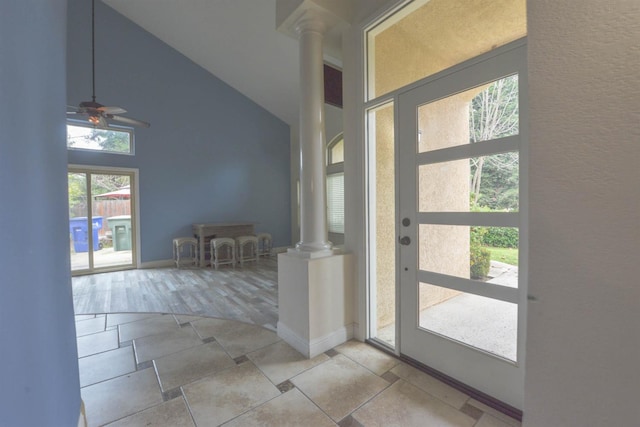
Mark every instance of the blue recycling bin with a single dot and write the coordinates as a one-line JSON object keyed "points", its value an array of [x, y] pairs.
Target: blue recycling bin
{"points": [[79, 232]]}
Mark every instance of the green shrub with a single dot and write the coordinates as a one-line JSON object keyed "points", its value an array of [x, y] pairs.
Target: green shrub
{"points": [[500, 237], [479, 257], [480, 261], [477, 235]]}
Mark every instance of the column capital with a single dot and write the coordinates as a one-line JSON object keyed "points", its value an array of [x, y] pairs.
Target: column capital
{"points": [[293, 17]]}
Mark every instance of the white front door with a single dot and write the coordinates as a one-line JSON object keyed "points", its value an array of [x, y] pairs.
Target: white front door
{"points": [[462, 214]]}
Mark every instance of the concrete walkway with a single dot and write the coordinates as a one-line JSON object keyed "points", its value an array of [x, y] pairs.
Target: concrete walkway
{"points": [[481, 322]]}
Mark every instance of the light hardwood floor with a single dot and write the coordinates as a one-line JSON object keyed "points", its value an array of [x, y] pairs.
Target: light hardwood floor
{"points": [[248, 294]]}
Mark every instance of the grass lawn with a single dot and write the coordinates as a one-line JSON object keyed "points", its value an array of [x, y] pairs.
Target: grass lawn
{"points": [[506, 255]]}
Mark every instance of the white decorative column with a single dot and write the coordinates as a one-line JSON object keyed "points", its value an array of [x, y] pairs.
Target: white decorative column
{"points": [[313, 197], [315, 285]]}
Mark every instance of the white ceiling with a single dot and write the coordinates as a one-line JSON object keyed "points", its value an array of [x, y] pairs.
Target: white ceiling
{"points": [[236, 40]]}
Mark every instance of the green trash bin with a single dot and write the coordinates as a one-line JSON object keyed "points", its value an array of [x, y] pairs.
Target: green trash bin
{"points": [[120, 232]]}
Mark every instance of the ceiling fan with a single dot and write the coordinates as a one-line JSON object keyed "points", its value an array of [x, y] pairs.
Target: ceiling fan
{"points": [[96, 113]]}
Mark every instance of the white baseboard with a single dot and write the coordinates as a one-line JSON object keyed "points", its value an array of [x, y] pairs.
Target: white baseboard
{"points": [[82, 419], [335, 338], [158, 264], [300, 344], [317, 346]]}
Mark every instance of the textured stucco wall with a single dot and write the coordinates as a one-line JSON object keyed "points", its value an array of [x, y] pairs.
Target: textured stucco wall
{"points": [[384, 237], [443, 187], [441, 34], [583, 332]]}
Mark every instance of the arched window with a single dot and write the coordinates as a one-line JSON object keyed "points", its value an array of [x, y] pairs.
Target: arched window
{"points": [[335, 189]]}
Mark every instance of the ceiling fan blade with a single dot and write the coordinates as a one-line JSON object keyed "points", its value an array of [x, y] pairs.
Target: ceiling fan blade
{"points": [[74, 112], [128, 120], [112, 110]]}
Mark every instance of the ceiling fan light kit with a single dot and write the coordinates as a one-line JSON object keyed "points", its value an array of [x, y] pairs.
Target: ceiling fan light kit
{"points": [[96, 113]]}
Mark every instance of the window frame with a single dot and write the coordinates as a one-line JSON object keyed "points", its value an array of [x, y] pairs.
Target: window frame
{"points": [[334, 169], [115, 128]]}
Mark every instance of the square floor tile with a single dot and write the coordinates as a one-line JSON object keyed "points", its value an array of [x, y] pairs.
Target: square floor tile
{"points": [[97, 343], [173, 413], [191, 364], [280, 361], [490, 421], [405, 405], [371, 358], [339, 386], [291, 409], [431, 385], [151, 326], [227, 394], [119, 318], [106, 365], [183, 318], [495, 413], [158, 345], [117, 398], [90, 326], [236, 338]]}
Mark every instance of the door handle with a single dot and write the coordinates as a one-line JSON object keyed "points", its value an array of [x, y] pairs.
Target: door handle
{"points": [[405, 240]]}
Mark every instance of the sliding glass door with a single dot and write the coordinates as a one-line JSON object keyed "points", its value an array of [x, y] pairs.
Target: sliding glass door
{"points": [[101, 220]]}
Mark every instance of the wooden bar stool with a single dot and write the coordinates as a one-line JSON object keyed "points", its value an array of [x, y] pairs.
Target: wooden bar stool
{"points": [[265, 244], [247, 249], [185, 251], [223, 251]]}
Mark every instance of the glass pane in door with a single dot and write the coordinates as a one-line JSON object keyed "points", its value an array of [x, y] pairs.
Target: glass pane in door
{"points": [[111, 213], [78, 221], [482, 254], [484, 323], [382, 222], [482, 113], [488, 183]]}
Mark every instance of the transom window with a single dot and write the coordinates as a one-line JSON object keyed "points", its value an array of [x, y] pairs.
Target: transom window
{"points": [[112, 139]]}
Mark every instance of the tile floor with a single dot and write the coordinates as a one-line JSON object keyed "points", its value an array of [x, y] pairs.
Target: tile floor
{"points": [[172, 370]]}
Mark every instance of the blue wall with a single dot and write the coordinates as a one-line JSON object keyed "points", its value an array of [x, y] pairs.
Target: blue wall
{"points": [[211, 154], [38, 358]]}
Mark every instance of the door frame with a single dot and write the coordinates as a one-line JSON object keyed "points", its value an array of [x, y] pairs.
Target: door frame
{"points": [[135, 198]]}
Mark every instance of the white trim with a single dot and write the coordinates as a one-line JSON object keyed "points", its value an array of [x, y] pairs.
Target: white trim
{"points": [[482, 219], [329, 341], [477, 149], [317, 346], [475, 287], [291, 338], [82, 418]]}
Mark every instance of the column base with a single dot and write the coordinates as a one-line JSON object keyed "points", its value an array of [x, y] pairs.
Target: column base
{"points": [[316, 253], [322, 247], [315, 301]]}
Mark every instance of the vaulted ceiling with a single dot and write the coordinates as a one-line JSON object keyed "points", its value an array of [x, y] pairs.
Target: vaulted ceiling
{"points": [[236, 40]]}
